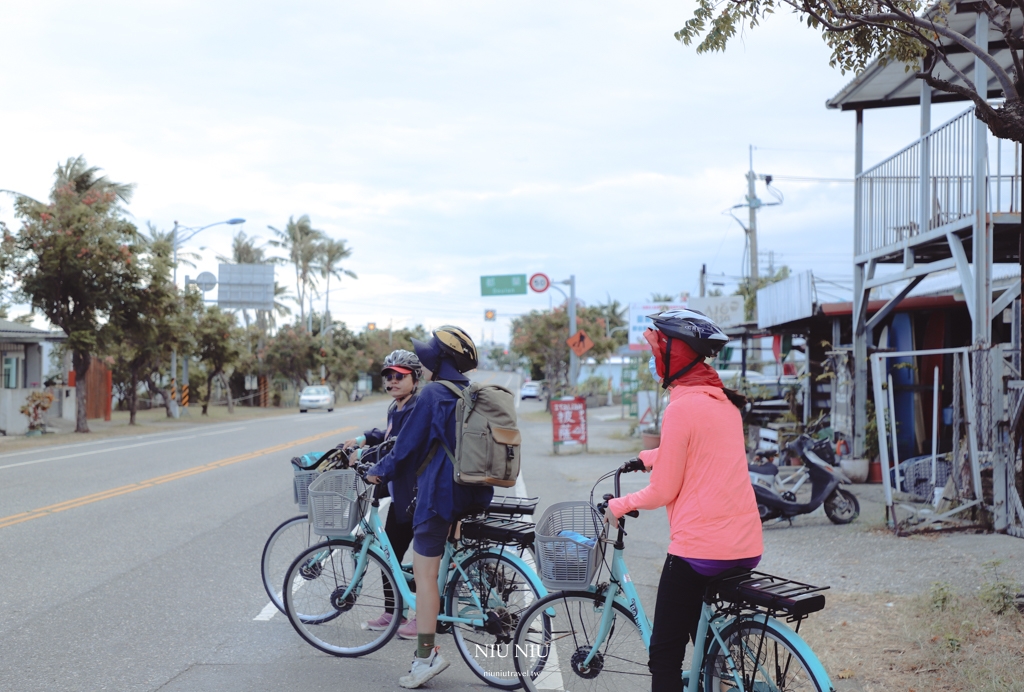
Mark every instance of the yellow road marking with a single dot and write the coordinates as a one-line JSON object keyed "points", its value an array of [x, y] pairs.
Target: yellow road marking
{"points": [[131, 488]]}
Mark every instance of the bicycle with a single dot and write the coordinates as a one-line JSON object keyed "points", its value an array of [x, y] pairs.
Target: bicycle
{"points": [[295, 534], [334, 589], [572, 640]]}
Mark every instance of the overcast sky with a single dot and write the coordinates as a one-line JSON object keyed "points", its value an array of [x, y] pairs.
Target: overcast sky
{"points": [[446, 140]]}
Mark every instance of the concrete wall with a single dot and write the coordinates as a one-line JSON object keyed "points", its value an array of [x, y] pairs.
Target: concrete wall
{"points": [[11, 420]]}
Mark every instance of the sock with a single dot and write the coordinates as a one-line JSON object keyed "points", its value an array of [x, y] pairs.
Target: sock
{"points": [[424, 645]]}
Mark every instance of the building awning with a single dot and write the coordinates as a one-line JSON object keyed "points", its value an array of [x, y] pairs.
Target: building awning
{"points": [[18, 333], [883, 85]]}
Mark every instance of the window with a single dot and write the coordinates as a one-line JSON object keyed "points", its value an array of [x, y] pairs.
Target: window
{"points": [[11, 372]]}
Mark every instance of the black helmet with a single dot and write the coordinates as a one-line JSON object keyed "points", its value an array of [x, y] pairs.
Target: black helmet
{"points": [[457, 345], [696, 329], [404, 359]]}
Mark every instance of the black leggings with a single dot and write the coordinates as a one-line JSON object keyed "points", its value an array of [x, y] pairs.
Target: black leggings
{"points": [[400, 535], [676, 617]]}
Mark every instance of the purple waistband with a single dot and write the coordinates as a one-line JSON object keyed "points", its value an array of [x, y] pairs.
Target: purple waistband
{"points": [[712, 568]]}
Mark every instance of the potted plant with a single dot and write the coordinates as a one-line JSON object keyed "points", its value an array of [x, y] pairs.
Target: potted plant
{"points": [[35, 406]]}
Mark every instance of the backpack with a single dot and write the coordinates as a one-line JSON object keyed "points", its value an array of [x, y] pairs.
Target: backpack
{"points": [[487, 439]]}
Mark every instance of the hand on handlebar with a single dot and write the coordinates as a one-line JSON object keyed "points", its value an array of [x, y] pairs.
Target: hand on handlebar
{"points": [[635, 464]]}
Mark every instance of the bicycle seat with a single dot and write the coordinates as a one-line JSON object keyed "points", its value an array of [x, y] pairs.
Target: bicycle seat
{"points": [[764, 469]]}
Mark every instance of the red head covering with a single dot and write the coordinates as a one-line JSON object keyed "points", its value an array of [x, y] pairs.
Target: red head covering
{"points": [[700, 375]]}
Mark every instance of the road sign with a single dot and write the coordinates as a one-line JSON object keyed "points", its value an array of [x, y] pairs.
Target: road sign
{"points": [[206, 281], [490, 315], [580, 343], [506, 285], [569, 421], [540, 282]]}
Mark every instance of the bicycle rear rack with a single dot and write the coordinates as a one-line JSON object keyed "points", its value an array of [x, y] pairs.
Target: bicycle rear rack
{"points": [[512, 506], [765, 593]]}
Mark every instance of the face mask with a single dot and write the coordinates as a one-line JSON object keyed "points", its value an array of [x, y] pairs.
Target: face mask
{"points": [[652, 365]]}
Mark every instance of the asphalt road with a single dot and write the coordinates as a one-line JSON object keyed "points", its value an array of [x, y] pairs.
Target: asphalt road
{"points": [[134, 563]]}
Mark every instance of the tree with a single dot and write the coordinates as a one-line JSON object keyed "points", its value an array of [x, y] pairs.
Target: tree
{"points": [[662, 298], [302, 243], [615, 316], [541, 337], [859, 32], [331, 253], [218, 341], [291, 353], [748, 289], [150, 319], [75, 256]]}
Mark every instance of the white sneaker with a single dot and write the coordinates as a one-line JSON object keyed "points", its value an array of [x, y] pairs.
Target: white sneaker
{"points": [[423, 669]]}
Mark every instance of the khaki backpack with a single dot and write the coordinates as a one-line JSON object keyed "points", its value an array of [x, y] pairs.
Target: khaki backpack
{"points": [[487, 439]]}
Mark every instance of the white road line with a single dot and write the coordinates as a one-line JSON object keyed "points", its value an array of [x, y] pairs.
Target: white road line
{"points": [[115, 449], [269, 611]]}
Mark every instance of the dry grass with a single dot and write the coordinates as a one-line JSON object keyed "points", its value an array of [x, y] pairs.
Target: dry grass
{"points": [[939, 641]]}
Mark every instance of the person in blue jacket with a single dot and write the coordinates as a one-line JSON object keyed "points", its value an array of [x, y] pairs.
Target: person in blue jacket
{"points": [[439, 501], [401, 375]]}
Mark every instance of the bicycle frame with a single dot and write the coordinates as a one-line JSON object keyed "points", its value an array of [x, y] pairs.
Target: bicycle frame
{"points": [[375, 539]]}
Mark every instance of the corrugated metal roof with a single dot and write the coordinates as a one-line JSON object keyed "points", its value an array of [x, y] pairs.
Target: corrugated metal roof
{"points": [[17, 332], [887, 85]]}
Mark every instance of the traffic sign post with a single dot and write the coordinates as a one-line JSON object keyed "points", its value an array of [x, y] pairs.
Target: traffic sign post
{"points": [[506, 285], [580, 343], [569, 422]]}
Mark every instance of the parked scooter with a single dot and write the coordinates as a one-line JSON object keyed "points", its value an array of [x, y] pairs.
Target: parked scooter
{"points": [[841, 506]]}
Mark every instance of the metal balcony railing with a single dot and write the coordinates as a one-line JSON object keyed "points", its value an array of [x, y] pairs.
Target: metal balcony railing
{"points": [[890, 192]]}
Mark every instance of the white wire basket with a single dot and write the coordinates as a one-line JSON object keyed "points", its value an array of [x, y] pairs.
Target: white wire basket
{"points": [[566, 562], [336, 502]]}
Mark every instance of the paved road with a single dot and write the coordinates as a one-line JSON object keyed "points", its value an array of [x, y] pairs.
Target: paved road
{"points": [[133, 563]]}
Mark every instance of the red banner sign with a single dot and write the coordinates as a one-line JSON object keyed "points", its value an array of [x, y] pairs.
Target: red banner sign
{"points": [[569, 421]]}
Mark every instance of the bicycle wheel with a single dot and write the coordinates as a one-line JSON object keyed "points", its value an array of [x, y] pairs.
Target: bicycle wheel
{"points": [[498, 591], [317, 581], [842, 506], [285, 542], [764, 658], [558, 632]]}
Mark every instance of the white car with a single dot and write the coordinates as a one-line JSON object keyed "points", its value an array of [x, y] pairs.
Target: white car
{"points": [[530, 390], [316, 396]]}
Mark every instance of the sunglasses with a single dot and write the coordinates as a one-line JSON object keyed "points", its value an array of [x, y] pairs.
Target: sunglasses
{"points": [[393, 376]]}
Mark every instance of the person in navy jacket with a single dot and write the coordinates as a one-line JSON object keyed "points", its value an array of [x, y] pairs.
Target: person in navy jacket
{"points": [[439, 501]]}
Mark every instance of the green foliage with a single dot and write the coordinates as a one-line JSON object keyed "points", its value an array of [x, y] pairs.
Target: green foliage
{"points": [[748, 289], [541, 337], [999, 594], [302, 244], [217, 345], [902, 31], [941, 595]]}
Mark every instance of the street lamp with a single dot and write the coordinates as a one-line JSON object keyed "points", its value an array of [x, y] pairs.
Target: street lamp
{"points": [[189, 233], [574, 360]]}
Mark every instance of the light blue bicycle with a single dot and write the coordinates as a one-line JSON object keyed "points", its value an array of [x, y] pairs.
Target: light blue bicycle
{"points": [[334, 591], [596, 637]]}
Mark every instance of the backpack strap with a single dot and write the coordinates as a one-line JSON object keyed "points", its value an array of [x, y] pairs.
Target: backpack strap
{"points": [[454, 388]]}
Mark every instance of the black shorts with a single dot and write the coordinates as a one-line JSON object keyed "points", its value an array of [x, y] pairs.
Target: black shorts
{"points": [[429, 537]]}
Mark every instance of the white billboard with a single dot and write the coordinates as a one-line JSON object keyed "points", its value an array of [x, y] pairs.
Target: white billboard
{"points": [[726, 311], [246, 286], [639, 322]]}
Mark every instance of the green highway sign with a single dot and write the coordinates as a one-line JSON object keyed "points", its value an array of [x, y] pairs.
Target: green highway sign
{"points": [[506, 285]]}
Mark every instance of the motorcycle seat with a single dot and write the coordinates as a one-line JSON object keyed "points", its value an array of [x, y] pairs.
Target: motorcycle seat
{"points": [[764, 469]]}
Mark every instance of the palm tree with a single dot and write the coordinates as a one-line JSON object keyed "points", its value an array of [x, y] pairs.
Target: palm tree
{"points": [[85, 178], [301, 241], [331, 253]]}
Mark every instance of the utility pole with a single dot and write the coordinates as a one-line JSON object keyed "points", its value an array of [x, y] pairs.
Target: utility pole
{"points": [[752, 204], [703, 279]]}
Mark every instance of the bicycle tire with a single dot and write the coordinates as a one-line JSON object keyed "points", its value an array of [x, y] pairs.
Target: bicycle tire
{"points": [[505, 592], [777, 655], [548, 647], [318, 577], [286, 541], [842, 506]]}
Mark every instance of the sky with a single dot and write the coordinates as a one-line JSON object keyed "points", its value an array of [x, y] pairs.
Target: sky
{"points": [[444, 141]]}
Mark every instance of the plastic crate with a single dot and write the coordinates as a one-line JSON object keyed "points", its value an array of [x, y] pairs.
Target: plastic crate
{"points": [[564, 563], [336, 502], [300, 488]]}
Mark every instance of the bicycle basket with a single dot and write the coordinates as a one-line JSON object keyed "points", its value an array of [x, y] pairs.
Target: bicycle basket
{"points": [[300, 488], [564, 562], [336, 502]]}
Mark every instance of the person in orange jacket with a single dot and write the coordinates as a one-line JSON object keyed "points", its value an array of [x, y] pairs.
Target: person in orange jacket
{"points": [[699, 474]]}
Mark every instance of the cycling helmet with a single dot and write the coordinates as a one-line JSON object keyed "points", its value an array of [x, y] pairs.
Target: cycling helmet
{"points": [[403, 361], [457, 345], [696, 330], [694, 327]]}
